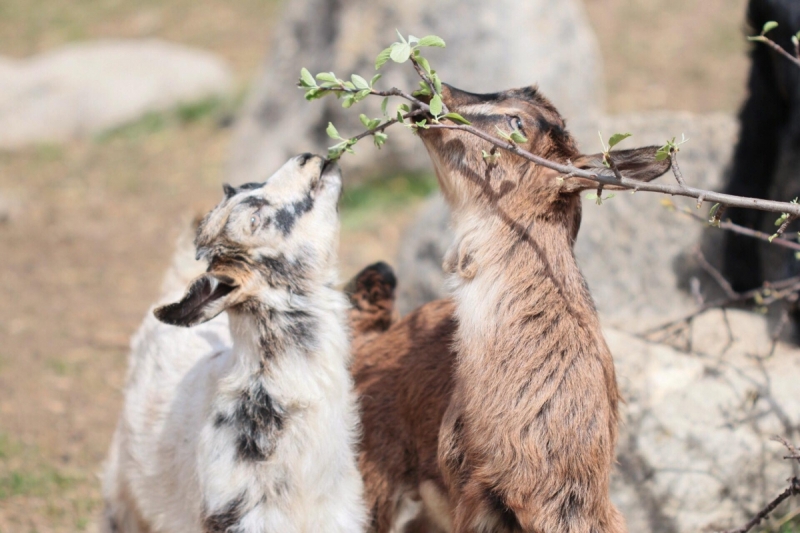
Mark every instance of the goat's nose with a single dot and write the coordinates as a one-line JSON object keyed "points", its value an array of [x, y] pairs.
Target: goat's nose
{"points": [[302, 159]]}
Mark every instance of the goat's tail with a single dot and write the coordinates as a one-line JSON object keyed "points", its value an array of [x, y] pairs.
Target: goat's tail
{"points": [[184, 267], [372, 296]]}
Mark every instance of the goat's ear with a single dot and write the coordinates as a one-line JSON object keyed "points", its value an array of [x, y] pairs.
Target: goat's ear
{"points": [[205, 299], [638, 164]]}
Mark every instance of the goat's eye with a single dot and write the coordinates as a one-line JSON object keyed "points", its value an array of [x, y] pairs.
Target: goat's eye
{"points": [[515, 122], [254, 222]]}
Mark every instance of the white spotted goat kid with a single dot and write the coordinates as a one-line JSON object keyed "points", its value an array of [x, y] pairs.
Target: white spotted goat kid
{"points": [[258, 437]]}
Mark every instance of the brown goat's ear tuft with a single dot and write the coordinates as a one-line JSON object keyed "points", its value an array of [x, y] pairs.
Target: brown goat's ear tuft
{"points": [[204, 300], [638, 164]]}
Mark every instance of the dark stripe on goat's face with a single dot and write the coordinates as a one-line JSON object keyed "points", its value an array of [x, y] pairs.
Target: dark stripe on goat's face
{"points": [[255, 201], [281, 272], [226, 520], [257, 420], [286, 216]]}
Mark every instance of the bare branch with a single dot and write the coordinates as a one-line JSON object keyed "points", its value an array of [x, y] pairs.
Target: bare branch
{"points": [[778, 48], [676, 171], [741, 230], [630, 184], [714, 273], [794, 452], [777, 291], [792, 490]]}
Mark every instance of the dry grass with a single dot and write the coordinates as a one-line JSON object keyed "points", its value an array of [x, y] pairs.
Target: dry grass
{"points": [[83, 256]]}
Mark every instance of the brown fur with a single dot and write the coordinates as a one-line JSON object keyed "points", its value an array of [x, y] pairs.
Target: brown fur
{"points": [[506, 397]]}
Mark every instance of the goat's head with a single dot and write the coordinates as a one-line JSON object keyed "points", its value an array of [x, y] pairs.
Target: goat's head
{"points": [[265, 240], [512, 183]]}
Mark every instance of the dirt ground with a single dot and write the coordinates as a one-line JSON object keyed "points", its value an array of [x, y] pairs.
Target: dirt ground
{"points": [[93, 222]]}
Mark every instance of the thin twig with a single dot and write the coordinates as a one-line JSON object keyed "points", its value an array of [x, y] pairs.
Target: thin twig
{"points": [[614, 168], [778, 48], [714, 273], [792, 490], [794, 452], [386, 124], [785, 225], [778, 291], [741, 230], [676, 171]]}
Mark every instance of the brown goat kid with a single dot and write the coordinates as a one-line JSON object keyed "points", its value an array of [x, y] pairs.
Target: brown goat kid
{"points": [[498, 409]]}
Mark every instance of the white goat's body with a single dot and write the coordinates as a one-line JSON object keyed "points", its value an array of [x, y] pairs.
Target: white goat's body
{"points": [[173, 463]]}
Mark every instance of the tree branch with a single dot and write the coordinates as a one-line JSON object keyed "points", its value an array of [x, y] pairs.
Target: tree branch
{"points": [[630, 184], [741, 230], [792, 490]]}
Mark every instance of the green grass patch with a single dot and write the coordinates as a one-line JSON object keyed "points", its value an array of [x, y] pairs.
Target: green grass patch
{"points": [[33, 483], [59, 366], [384, 194], [213, 109]]}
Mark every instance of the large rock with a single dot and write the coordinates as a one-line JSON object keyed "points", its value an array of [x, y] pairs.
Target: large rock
{"points": [[695, 452], [490, 46], [89, 87], [635, 253]]}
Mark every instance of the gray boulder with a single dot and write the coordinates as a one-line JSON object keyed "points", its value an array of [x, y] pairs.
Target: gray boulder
{"points": [[490, 46], [634, 252], [89, 87], [694, 452]]}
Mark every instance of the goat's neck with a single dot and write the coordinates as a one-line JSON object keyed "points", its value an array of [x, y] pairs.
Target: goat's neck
{"points": [[281, 332], [524, 275]]}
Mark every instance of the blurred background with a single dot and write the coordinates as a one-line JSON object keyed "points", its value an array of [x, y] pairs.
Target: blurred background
{"points": [[120, 119]]}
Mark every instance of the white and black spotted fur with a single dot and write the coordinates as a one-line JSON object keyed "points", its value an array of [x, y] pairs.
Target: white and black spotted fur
{"points": [[258, 437]]}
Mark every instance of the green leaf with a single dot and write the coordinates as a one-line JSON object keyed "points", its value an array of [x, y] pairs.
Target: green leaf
{"points": [[432, 40], [380, 139], [616, 139], [332, 132], [518, 137], [400, 52], [455, 117], [335, 151], [383, 57], [772, 237], [375, 78], [412, 39], [437, 83], [360, 95], [591, 196], [348, 101], [383, 105], [364, 120], [359, 82], [768, 26], [490, 158], [781, 219], [400, 35], [374, 123], [503, 134], [404, 108], [713, 211], [424, 64], [436, 105], [422, 124], [306, 79], [400, 117], [328, 76], [314, 94]]}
